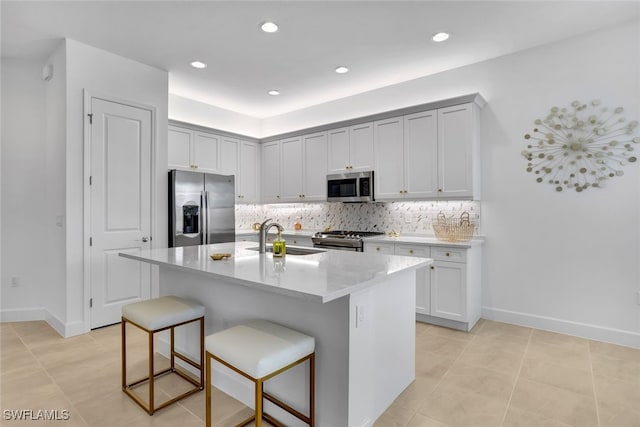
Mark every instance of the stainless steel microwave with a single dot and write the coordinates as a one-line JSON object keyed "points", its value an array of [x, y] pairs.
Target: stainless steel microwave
{"points": [[350, 187]]}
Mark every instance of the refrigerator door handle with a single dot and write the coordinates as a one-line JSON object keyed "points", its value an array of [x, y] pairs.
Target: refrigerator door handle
{"points": [[203, 217]]}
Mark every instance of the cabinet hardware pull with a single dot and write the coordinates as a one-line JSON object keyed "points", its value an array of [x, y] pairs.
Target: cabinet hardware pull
{"points": [[440, 190], [447, 254], [432, 267], [378, 248], [410, 251]]}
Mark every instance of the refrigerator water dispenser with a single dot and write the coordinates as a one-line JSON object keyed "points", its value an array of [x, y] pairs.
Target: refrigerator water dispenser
{"points": [[190, 219]]}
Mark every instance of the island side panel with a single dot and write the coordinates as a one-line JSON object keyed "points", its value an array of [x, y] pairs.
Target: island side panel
{"points": [[382, 346], [228, 304]]}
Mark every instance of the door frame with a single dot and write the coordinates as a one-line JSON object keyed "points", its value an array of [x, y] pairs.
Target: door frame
{"points": [[86, 202]]}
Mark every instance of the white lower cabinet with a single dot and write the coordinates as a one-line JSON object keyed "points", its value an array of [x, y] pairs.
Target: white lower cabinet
{"points": [[448, 292]]}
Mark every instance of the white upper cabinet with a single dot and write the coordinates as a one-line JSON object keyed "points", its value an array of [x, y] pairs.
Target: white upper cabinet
{"points": [[350, 148], [247, 190], [211, 153], [229, 152], [205, 152], [295, 169], [291, 171], [192, 150], [458, 153], [388, 145], [428, 155], [271, 172], [421, 154], [179, 145], [315, 167]]}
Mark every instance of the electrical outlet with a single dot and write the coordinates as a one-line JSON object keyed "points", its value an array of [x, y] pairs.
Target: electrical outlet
{"points": [[15, 281]]}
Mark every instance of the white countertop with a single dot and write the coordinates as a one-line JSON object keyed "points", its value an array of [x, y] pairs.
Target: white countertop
{"points": [[324, 276], [425, 240]]}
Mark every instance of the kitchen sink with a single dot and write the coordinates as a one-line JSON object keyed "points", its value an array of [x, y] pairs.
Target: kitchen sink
{"points": [[293, 251]]}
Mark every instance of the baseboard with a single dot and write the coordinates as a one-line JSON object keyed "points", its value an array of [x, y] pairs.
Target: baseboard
{"points": [[31, 314], [583, 330]]}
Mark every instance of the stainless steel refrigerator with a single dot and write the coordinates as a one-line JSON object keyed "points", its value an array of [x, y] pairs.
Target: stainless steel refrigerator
{"points": [[201, 208]]}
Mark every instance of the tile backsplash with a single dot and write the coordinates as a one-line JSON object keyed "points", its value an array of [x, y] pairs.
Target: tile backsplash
{"points": [[403, 217]]}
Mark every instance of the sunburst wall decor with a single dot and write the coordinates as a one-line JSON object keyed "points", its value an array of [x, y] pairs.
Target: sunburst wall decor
{"points": [[581, 146]]}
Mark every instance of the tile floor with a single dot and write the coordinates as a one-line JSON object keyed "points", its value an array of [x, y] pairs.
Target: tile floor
{"points": [[496, 375]]}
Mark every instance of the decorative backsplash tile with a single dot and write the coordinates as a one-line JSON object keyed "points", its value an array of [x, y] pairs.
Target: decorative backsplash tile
{"points": [[403, 217]]}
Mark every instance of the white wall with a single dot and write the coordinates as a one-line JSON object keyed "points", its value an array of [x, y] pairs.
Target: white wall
{"points": [[191, 111], [103, 73], [23, 188], [43, 161]]}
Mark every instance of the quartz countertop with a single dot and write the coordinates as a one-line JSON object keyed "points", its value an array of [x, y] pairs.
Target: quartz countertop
{"points": [[425, 240], [323, 277]]}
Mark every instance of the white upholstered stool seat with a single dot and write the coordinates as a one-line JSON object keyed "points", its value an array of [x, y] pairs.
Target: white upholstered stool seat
{"points": [[159, 313], [260, 350], [156, 315]]}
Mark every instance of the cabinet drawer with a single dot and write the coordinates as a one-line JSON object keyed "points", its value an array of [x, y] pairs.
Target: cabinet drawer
{"points": [[298, 240], [412, 250], [379, 248], [443, 253]]}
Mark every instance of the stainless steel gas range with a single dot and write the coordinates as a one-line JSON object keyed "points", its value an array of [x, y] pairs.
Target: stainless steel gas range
{"points": [[343, 240]]}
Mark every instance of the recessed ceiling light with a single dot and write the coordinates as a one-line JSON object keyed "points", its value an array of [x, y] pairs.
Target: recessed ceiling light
{"points": [[274, 92], [342, 69], [440, 37], [269, 27], [198, 64]]}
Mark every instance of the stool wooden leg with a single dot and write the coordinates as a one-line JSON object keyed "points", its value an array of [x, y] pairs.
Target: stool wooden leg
{"points": [[151, 374], [201, 353], [259, 403], [208, 391], [172, 351]]}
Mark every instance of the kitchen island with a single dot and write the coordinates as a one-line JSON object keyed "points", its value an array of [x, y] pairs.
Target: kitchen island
{"points": [[359, 307]]}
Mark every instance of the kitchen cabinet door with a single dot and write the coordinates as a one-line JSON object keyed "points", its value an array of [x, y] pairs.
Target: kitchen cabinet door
{"points": [[315, 167], [449, 290], [228, 158], [205, 152], [421, 155], [338, 150], [379, 247], [247, 178], [423, 276], [179, 148], [361, 147], [271, 172], [291, 170], [389, 156], [455, 152]]}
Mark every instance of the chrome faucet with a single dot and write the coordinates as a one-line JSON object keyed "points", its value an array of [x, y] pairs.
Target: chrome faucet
{"points": [[264, 229]]}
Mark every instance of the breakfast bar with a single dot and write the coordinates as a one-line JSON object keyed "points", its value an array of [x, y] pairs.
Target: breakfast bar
{"points": [[359, 307]]}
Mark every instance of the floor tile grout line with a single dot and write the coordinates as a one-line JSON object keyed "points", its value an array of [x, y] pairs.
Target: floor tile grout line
{"points": [[53, 381], [517, 377], [445, 374], [593, 384]]}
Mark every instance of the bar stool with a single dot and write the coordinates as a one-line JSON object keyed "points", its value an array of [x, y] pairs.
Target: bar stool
{"points": [[156, 315], [260, 350]]}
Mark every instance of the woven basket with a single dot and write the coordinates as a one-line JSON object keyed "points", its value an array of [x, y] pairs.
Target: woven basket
{"points": [[454, 229]]}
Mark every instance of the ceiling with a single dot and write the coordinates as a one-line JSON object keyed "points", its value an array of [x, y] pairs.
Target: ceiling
{"points": [[382, 42]]}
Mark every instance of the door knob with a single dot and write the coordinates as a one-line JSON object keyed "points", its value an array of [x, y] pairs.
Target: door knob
{"points": [[145, 239]]}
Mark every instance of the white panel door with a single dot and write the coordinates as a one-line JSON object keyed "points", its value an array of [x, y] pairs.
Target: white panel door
{"points": [[315, 167], [205, 152], [120, 207]]}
